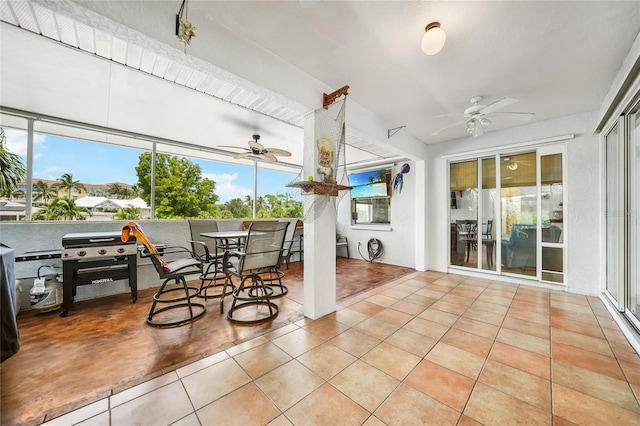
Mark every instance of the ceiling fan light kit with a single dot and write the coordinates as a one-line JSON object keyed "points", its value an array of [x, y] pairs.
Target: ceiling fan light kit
{"points": [[433, 39]]}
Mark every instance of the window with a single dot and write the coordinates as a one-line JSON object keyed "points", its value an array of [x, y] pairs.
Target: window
{"points": [[370, 199]]}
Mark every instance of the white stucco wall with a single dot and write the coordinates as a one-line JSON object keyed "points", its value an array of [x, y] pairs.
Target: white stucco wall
{"points": [[582, 216], [399, 242]]}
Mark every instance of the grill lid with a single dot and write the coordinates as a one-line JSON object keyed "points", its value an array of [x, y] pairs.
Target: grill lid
{"points": [[84, 239]]}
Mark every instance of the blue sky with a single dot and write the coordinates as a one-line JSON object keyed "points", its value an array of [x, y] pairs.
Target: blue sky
{"points": [[97, 163]]}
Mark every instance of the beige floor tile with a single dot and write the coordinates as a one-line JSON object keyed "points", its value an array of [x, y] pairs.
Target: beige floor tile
{"points": [[249, 344], [391, 360], [467, 341], [490, 304], [326, 360], [411, 342], [524, 341], [327, 406], [162, 406], [355, 342], [455, 359], [431, 294], [593, 344], [631, 371], [281, 420], [521, 359], [280, 331], [407, 406], [365, 384], [426, 328], [599, 386], [397, 293], [442, 384], [297, 342], [438, 316], [575, 316], [583, 409], [420, 300], [518, 384], [376, 328], [479, 328], [104, 419], [213, 382], [190, 420], [349, 317], [489, 406], [373, 421], [203, 363], [288, 384], [577, 327], [326, 328], [458, 300], [141, 389], [452, 308], [85, 413], [244, 406], [524, 326], [539, 317], [262, 359], [381, 300], [483, 316], [598, 363], [392, 316], [407, 307]]}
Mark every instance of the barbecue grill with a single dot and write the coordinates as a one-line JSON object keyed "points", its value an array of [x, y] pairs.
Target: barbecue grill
{"points": [[95, 258]]}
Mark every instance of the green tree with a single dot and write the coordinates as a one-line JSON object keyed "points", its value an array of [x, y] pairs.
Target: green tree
{"points": [[128, 213], [181, 192], [42, 191], [12, 169], [67, 183], [61, 209], [237, 208], [115, 190]]}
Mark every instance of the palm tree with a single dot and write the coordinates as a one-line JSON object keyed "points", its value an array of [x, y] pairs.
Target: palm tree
{"points": [[128, 213], [115, 189], [12, 169], [42, 191], [67, 182], [61, 209]]}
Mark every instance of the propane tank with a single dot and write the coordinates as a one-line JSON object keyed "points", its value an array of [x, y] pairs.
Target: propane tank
{"points": [[46, 293]]}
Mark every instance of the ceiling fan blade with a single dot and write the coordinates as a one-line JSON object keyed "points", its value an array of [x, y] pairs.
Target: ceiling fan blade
{"points": [[521, 116], [234, 147], [448, 127], [243, 155], [497, 105], [269, 158], [448, 115], [256, 145], [280, 152]]}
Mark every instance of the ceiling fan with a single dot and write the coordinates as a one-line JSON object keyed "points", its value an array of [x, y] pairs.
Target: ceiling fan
{"points": [[258, 152], [475, 117]]}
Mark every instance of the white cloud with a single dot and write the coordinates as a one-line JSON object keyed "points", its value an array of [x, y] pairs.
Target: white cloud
{"points": [[226, 189], [51, 173], [17, 141]]}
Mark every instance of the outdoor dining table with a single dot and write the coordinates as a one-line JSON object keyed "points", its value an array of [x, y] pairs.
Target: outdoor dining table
{"points": [[222, 240]]}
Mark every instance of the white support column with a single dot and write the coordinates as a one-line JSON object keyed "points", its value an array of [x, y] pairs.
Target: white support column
{"points": [[319, 234]]}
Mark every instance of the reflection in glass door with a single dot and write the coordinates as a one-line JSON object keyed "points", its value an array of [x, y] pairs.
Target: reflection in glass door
{"points": [[463, 184], [487, 238], [519, 213], [612, 211], [633, 300]]}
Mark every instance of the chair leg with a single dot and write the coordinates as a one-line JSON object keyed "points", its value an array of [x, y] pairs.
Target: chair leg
{"points": [[175, 303]]}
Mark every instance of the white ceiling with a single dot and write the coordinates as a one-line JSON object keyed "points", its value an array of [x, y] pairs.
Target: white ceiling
{"points": [[557, 58]]}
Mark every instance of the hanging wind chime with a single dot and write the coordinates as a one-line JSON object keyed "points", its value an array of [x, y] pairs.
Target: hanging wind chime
{"points": [[184, 30]]}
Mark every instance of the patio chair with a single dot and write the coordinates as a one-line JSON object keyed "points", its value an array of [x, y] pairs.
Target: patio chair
{"points": [[210, 252], [262, 252], [177, 310]]}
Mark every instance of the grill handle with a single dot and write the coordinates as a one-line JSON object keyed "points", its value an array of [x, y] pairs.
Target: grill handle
{"points": [[101, 240]]}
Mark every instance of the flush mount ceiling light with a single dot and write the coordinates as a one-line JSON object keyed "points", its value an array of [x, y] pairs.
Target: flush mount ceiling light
{"points": [[433, 39]]}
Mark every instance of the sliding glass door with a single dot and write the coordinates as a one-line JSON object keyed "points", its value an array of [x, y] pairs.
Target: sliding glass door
{"points": [[633, 299], [506, 213]]}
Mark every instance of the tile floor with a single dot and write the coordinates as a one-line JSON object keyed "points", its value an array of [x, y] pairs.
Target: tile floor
{"points": [[428, 348]]}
